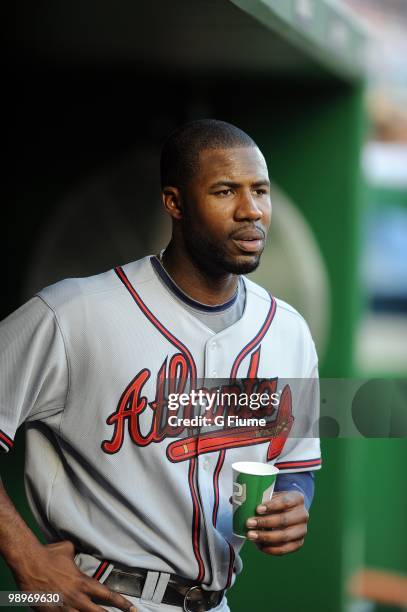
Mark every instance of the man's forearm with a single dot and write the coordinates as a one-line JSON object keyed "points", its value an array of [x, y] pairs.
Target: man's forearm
{"points": [[18, 544]]}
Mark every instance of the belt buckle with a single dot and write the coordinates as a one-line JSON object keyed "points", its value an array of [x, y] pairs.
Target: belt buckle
{"points": [[189, 599]]}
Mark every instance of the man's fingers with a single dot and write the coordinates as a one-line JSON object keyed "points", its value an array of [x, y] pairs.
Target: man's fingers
{"points": [[56, 609], [279, 520], [118, 601], [96, 589], [280, 525], [84, 604], [278, 536], [284, 549], [90, 606], [283, 500]]}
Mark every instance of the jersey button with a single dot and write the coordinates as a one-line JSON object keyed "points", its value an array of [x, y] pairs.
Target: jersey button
{"points": [[214, 372], [214, 345]]}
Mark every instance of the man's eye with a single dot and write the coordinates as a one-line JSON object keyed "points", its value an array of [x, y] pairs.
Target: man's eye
{"points": [[223, 192], [261, 191]]}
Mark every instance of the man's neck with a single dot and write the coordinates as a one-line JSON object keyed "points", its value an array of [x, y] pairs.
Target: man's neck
{"points": [[195, 282]]}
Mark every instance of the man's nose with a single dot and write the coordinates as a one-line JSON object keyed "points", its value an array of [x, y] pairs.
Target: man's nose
{"points": [[248, 208]]}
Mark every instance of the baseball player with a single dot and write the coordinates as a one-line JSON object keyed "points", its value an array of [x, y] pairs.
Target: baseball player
{"points": [[135, 506]]}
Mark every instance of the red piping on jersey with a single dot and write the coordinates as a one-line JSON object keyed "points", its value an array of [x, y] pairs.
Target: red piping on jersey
{"points": [[216, 473], [231, 564], [5, 438], [306, 463], [196, 520], [192, 367], [161, 328], [235, 368], [257, 338], [100, 570]]}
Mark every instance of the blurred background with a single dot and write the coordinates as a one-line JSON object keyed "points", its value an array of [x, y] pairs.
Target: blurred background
{"points": [[322, 88]]}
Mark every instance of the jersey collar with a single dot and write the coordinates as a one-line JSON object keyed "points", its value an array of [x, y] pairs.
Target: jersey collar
{"points": [[173, 287]]}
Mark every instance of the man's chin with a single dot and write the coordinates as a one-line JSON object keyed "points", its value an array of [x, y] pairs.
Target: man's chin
{"points": [[242, 265]]}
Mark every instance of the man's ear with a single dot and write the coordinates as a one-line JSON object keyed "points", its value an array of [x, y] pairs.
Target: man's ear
{"points": [[172, 200]]}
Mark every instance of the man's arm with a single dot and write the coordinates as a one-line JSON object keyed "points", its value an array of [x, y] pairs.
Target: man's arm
{"points": [[49, 568], [17, 541]]}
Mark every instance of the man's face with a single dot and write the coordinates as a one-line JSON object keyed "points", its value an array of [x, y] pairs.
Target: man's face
{"points": [[227, 210]]}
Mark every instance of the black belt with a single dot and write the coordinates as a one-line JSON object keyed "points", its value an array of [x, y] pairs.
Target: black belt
{"points": [[188, 595]]}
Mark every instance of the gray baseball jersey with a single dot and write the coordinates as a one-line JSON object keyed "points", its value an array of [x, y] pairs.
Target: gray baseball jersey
{"points": [[88, 365]]}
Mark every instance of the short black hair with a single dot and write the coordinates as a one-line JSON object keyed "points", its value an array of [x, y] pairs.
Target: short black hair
{"points": [[180, 153]]}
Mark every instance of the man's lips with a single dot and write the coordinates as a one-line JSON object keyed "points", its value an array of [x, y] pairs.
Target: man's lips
{"points": [[250, 246], [249, 240]]}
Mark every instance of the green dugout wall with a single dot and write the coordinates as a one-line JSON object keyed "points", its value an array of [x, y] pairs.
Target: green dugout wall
{"points": [[98, 81]]}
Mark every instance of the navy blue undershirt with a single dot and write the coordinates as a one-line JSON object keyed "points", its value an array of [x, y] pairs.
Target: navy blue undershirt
{"points": [[298, 481]]}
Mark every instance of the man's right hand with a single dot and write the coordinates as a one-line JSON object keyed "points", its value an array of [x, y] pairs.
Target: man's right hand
{"points": [[52, 570]]}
